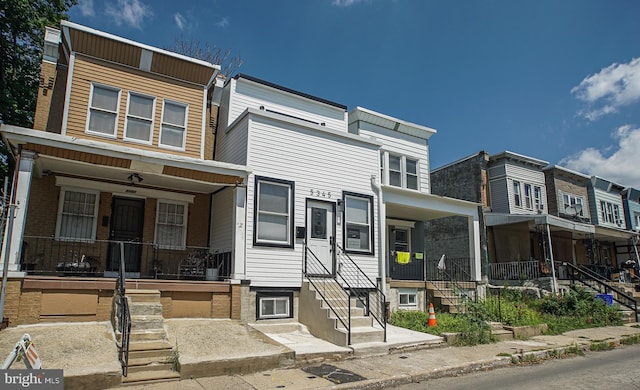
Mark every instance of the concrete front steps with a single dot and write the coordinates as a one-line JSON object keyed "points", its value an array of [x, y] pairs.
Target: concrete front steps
{"points": [[444, 297], [316, 314], [151, 356], [499, 332]]}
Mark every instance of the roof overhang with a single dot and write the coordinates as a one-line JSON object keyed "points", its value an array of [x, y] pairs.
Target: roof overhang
{"points": [[59, 154], [406, 204], [498, 219], [390, 123]]}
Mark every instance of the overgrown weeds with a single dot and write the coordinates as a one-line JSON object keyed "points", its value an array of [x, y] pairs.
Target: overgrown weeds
{"points": [[574, 310]]}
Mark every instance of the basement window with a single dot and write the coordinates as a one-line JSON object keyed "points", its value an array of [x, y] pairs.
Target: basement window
{"points": [[408, 298], [274, 305]]}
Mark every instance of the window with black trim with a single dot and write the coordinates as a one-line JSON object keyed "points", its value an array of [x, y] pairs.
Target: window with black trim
{"points": [[274, 304], [358, 229], [273, 225]]}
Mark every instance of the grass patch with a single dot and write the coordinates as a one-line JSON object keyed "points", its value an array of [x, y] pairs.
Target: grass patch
{"points": [[602, 346], [630, 340]]}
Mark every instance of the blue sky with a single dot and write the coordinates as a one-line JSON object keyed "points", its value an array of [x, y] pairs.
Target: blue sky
{"points": [[554, 80]]}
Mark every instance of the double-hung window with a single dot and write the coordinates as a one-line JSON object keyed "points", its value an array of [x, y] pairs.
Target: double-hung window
{"points": [[77, 214], [171, 224], [516, 194], [103, 110], [139, 125], [572, 204], [395, 171], [274, 212], [411, 173], [527, 196], [358, 223], [173, 130], [537, 198]]}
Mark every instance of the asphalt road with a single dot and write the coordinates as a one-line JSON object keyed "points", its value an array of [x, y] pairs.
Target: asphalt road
{"points": [[617, 369]]}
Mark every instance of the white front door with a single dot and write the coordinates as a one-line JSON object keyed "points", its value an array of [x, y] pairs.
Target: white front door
{"points": [[321, 234]]}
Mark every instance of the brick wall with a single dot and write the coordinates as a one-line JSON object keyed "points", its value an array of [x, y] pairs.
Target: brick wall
{"points": [[45, 92]]}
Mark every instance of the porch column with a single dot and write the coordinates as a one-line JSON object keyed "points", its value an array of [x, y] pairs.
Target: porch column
{"points": [[238, 271], [474, 245], [21, 199]]}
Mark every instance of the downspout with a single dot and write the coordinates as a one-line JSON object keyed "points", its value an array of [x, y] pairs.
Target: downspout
{"points": [[554, 285], [382, 218]]}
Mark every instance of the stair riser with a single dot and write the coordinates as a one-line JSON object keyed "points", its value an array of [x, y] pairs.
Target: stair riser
{"points": [[151, 298], [145, 309], [157, 355], [365, 337], [358, 321], [151, 367], [147, 336]]}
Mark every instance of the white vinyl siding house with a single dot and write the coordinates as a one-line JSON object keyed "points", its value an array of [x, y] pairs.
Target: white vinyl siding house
{"points": [[292, 142]]}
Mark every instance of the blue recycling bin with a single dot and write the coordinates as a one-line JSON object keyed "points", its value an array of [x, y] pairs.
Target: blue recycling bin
{"points": [[608, 298]]}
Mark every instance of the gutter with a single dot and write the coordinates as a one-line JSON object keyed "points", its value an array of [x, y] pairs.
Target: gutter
{"points": [[382, 218]]}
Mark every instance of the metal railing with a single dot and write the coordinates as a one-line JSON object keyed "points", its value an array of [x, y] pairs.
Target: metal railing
{"points": [[516, 270], [349, 282], [362, 288], [123, 314], [449, 280], [332, 293], [51, 256], [595, 282]]}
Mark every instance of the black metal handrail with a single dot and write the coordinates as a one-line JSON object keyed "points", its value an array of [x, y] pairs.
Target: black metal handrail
{"points": [[362, 288], [329, 289], [588, 278], [458, 290], [124, 315]]}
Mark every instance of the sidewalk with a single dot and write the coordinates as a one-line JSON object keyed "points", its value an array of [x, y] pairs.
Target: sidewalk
{"points": [[402, 366], [237, 356]]}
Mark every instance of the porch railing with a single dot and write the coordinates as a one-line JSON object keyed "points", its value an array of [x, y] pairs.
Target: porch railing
{"points": [[595, 282], [51, 256], [516, 270], [123, 314], [454, 280]]}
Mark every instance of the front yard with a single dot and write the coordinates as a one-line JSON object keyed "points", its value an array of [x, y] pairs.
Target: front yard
{"points": [[574, 310]]}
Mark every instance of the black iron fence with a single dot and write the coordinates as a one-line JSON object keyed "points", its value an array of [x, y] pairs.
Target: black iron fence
{"points": [[97, 258]]}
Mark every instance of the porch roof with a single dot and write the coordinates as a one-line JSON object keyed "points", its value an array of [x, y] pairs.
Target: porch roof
{"points": [[497, 219], [89, 158], [417, 206]]}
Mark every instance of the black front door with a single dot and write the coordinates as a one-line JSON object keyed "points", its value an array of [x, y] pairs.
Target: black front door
{"points": [[127, 220]]}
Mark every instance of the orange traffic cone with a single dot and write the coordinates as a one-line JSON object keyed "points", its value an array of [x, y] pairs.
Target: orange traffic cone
{"points": [[432, 317]]}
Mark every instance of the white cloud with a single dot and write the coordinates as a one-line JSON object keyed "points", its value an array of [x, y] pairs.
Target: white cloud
{"points": [[619, 166], [131, 12], [86, 7], [180, 20], [605, 92], [224, 22], [346, 3]]}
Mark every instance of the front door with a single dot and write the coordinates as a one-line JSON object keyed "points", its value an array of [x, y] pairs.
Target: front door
{"points": [[321, 228], [127, 219]]}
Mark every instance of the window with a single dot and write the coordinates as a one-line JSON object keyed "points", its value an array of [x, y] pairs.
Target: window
{"points": [[412, 174], [403, 171], [358, 223], [77, 215], [636, 218], [516, 194], [171, 224], [174, 125], [274, 212], [395, 172], [527, 196], [273, 304], [139, 123], [407, 298], [610, 213], [400, 238], [537, 197], [103, 110], [572, 203]]}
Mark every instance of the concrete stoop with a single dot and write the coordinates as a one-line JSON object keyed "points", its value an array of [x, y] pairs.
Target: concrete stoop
{"points": [[316, 313], [499, 332], [151, 356]]}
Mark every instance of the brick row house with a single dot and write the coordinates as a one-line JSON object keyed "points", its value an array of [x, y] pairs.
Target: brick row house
{"points": [[232, 197], [537, 216]]}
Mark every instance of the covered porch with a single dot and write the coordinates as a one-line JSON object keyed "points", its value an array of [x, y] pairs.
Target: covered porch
{"points": [[529, 247]]}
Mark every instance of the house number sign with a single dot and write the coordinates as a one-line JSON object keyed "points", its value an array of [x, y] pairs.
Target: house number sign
{"points": [[320, 193]]}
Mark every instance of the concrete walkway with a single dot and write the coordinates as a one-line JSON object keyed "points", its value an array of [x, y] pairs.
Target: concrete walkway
{"points": [[225, 354]]}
